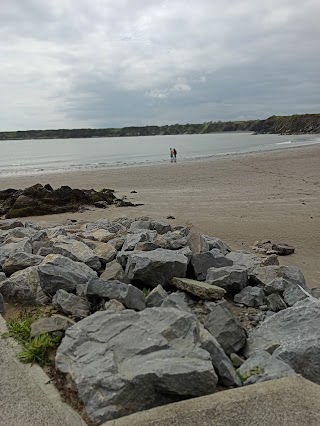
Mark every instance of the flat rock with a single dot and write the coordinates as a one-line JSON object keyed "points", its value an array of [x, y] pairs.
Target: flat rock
{"points": [[50, 324], [244, 258], [156, 267], [200, 289]]}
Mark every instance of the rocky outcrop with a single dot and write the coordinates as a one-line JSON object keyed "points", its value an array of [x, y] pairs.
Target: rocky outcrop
{"points": [[41, 200]]}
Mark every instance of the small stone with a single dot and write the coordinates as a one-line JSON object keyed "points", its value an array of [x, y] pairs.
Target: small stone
{"points": [[71, 304], [156, 297], [250, 296], [236, 360], [275, 302], [50, 324], [114, 306], [270, 260], [283, 249]]}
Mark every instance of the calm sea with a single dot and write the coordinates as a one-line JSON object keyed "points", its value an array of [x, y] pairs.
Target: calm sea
{"points": [[25, 157]]}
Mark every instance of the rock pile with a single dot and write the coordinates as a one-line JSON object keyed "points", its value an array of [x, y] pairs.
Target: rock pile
{"points": [[41, 200], [154, 314]]}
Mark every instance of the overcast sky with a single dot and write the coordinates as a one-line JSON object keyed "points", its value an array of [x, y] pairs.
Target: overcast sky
{"points": [[113, 63]]}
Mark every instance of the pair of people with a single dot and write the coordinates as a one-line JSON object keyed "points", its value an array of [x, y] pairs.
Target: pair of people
{"points": [[173, 155]]}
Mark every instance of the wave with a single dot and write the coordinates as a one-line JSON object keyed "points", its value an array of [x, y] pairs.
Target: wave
{"points": [[283, 143]]}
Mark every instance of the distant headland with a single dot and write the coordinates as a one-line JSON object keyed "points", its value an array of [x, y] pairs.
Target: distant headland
{"points": [[293, 124]]}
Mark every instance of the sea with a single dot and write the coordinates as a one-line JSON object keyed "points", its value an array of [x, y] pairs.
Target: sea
{"points": [[41, 156]]}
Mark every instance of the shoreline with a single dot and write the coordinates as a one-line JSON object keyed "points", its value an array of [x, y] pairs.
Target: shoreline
{"points": [[241, 199], [204, 158]]}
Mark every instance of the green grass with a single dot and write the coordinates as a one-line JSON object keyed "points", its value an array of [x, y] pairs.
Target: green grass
{"points": [[146, 292], [35, 349], [253, 372]]}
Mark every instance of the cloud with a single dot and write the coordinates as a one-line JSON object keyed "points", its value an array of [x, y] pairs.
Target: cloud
{"points": [[133, 62]]}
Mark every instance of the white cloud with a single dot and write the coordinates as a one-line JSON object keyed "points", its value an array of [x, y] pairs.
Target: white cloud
{"points": [[81, 63]]}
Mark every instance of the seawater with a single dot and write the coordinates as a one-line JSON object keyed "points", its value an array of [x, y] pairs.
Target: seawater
{"points": [[26, 157]]}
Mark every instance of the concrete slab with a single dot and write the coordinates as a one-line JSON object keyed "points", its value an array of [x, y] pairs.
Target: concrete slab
{"points": [[291, 401], [26, 396]]}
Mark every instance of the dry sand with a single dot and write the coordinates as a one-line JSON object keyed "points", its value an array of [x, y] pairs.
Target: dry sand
{"points": [[241, 199]]}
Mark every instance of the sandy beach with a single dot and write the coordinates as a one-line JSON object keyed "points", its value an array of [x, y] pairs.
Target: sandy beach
{"points": [[241, 199]]}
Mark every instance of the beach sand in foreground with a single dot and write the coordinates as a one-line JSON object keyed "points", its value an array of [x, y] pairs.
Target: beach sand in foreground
{"points": [[240, 199]]}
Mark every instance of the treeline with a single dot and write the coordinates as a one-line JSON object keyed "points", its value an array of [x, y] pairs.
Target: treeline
{"points": [[294, 124]]}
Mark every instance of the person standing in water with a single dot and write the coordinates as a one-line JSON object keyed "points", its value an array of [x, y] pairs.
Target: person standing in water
{"points": [[175, 154], [171, 154]]}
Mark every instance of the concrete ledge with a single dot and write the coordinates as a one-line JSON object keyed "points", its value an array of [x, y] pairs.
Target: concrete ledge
{"points": [[292, 401], [27, 398]]}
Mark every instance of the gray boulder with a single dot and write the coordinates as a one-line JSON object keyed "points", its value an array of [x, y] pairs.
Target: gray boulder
{"points": [[156, 297], [58, 272], [14, 245], [160, 226], [10, 224], [232, 278], [22, 286], [2, 276], [294, 336], [137, 361], [177, 300], [132, 240], [216, 243], [200, 289], [197, 243], [156, 267], [50, 324], [224, 327], [71, 304], [130, 296], [137, 225], [244, 258], [250, 296], [222, 364], [113, 271], [275, 302], [171, 240], [77, 251], [201, 262], [20, 260], [261, 366], [105, 252]]}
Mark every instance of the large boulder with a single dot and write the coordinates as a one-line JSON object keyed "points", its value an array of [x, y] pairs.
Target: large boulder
{"points": [[201, 262], [261, 366], [293, 335], [77, 251], [232, 278], [136, 361], [156, 267], [200, 289], [224, 327], [22, 286], [20, 260], [130, 296], [58, 272]]}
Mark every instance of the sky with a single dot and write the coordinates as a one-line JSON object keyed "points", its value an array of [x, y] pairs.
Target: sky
{"points": [[115, 63]]}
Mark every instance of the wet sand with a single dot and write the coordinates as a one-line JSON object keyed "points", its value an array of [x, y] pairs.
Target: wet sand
{"points": [[271, 195]]}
